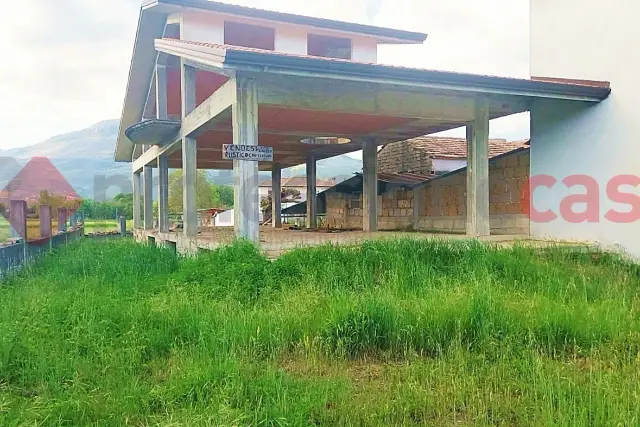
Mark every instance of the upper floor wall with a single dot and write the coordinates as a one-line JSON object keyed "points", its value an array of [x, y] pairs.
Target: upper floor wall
{"points": [[216, 28]]}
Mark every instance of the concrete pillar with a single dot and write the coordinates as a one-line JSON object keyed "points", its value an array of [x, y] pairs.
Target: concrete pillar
{"points": [[276, 196], [163, 161], [370, 185], [46, 221], [312, 199], [18, 218], [73, 221], [163, 194], [137, 189], [189, 155], [62, 220], [245, 173], [478, 171], [148, 197]]}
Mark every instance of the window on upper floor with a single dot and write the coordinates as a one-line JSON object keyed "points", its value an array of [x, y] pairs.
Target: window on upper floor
{"points": [[245, 35], [328, 47]]}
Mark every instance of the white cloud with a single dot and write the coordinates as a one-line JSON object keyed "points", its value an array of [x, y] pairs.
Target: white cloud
{"points": [[67, 61]]}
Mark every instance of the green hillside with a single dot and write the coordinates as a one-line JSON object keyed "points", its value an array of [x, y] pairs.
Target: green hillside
{"points": [[385, 333]]}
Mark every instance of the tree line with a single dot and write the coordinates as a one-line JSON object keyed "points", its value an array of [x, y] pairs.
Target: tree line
{"points": [[208, 195]]}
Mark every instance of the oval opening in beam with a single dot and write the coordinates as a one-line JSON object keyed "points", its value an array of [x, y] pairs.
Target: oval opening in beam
{"points": [[326, 140]]}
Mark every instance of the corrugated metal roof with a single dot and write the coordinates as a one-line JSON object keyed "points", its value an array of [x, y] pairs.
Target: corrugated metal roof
{"points": [[403, 178], [298, 181]]}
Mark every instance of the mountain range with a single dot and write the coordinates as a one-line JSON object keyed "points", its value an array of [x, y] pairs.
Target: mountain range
{"points": [[85, 159]]}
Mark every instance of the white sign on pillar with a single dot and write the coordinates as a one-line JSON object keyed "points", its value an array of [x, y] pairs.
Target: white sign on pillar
{"points": [[253, 153]]}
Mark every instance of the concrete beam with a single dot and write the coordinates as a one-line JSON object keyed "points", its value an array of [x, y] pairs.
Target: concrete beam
{"points": [[245, 173], [189, 155], [312, 199], [137, 193], [370, 185], [196, 122], [220, 101], [364, 98], [478, 172], [276, 196]]}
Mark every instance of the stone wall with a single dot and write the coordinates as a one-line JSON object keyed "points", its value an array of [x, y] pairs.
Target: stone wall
{"points": [[403, 157], [441, 202]]}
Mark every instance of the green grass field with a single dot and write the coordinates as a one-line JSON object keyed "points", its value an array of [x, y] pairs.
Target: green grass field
{"points": [[406, 332]]}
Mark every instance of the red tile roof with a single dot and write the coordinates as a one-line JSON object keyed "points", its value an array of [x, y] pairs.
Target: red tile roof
{"points": [[298, 181], [446, 148]]}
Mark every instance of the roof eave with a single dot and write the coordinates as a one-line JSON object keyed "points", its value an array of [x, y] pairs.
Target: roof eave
{"points": [[445, 80], [139, 69]]}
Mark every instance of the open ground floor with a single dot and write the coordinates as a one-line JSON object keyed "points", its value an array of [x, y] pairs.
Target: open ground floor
{"points": [[277, 241]]}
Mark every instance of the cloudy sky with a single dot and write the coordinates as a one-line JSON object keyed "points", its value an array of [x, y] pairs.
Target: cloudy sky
{"points": [[66, 61]]}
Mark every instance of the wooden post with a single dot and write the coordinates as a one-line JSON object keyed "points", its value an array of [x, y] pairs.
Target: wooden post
{"points": [[478, 224], [62, 220], [370, 185], [276, 196], [46, 221], [189, 154], [245, 173], [18, 218], [312, 199]]}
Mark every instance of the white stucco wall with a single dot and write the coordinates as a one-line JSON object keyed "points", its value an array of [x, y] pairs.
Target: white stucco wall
{"points": [[291, 39], [208, 27], [587, 40], [202, 27], [364, 49]]}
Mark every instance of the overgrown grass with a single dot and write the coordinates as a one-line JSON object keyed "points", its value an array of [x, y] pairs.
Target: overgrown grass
{"points": [[385, 333]]}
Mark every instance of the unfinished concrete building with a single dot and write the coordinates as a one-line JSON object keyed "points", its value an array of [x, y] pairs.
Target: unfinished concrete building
{"points": [[206, 74]]}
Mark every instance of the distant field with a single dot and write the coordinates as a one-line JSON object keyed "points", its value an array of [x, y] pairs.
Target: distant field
{"points": [[33, 227], [94, 226], [389, 333]]}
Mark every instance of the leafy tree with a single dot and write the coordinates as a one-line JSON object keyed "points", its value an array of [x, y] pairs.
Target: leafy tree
{"points": [[121, 205], [204, 191], [223, 195], [56, 202]]}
